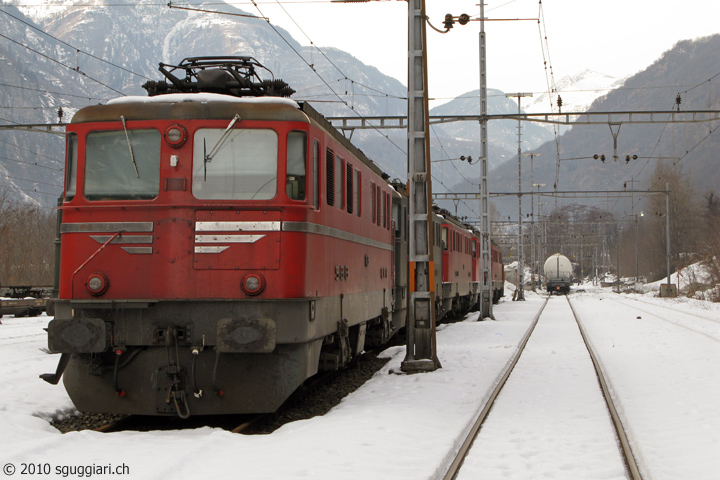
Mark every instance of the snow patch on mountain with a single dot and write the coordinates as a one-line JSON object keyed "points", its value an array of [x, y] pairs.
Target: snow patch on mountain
{"points": [[578, 92]]}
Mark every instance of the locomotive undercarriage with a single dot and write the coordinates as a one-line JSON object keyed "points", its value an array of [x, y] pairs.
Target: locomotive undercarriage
{"points": [[203, 357], [456, 302]]}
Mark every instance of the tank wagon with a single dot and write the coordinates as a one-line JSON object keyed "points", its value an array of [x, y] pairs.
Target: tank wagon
{"points": [[221, 243], [558, 274]]}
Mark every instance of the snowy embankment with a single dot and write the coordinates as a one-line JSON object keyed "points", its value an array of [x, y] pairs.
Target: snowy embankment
{"points": [[663, 373], [694, 279]]}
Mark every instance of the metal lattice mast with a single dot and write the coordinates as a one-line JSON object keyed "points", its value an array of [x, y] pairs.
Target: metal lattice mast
{"points": [[421, 354], [520, 295]]}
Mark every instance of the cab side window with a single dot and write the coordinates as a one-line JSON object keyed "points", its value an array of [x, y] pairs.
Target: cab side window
{"points": [[296, 161]]}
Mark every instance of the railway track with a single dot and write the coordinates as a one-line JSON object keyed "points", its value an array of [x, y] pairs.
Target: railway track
{"points": [[475, 429], [699, 324], [632, 470], [675, 310], [627, 452]]}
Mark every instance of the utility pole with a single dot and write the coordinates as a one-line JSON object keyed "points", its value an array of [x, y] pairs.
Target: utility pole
{"points": [[521, 267], [485, 248], [668, 291], [421, 354], [637, 250], [617, 230]]}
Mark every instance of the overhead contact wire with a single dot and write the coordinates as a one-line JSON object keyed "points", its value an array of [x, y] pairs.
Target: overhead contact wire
{"points": [[60, 63], [322, 79], [71, 46]]}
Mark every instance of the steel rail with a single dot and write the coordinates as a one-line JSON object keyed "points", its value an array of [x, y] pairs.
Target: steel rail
{"points": [[252, 422], [642, 301], [626, 449], [456, 464], [668, 320]]}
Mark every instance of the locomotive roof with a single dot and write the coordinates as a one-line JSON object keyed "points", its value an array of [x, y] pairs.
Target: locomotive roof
{"points": [[450, 218], [214, 106], [183, 106]]}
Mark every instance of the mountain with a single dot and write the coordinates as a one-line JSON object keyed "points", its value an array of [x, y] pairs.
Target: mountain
{"points": [[78, 53], [72, 54], [577, 91], [502, 132], [690, 70]]}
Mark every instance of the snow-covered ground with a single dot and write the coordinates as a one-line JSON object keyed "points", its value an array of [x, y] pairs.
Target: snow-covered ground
{"points": [[693, 276], [663, 368], [665, 378]]}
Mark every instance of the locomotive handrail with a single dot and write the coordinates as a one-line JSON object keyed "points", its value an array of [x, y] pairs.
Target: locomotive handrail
{"points": [[72, 279]]}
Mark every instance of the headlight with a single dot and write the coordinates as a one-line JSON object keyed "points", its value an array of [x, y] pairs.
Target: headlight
{"points": [[97, 284], [253, 284], [176, 135]]}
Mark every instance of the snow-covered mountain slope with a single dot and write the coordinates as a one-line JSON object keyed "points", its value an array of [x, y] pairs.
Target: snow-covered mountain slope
{"points": [[578, 92]]}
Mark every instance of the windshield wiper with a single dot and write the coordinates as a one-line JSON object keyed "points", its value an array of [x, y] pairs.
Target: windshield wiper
{"points": [[132, 155], [207, 157]]}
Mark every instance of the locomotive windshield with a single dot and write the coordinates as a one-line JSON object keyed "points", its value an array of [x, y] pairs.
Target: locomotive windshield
{"points": [[70, 170], [112, 173], [243, 165]]}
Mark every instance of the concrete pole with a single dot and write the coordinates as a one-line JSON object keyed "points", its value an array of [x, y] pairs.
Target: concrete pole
{"points": [[617, 230], [667, 232], [421, 353], [637, 267]]}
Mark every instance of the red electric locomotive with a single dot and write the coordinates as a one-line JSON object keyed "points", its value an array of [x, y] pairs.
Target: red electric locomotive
{"points": [[461, 266], [220, 245], [497, 272]]}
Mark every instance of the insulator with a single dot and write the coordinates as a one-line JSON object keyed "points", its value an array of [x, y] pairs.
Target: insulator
{"points": [[463, 19], [449, 21], [155, 88], [277, 88]]}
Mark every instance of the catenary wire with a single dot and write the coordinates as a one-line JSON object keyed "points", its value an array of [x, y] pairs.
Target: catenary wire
{"points": [[53, 93], [26, 149], [60, 63], [321, 78], [31, 164], [73, 47]]}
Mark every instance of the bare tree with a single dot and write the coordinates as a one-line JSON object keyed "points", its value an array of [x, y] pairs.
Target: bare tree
{"points": [[27, 233], [710, 247], [686, 229]]}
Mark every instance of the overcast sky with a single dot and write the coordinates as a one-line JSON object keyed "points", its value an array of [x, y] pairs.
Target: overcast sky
{"points": [[615, 37]]}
